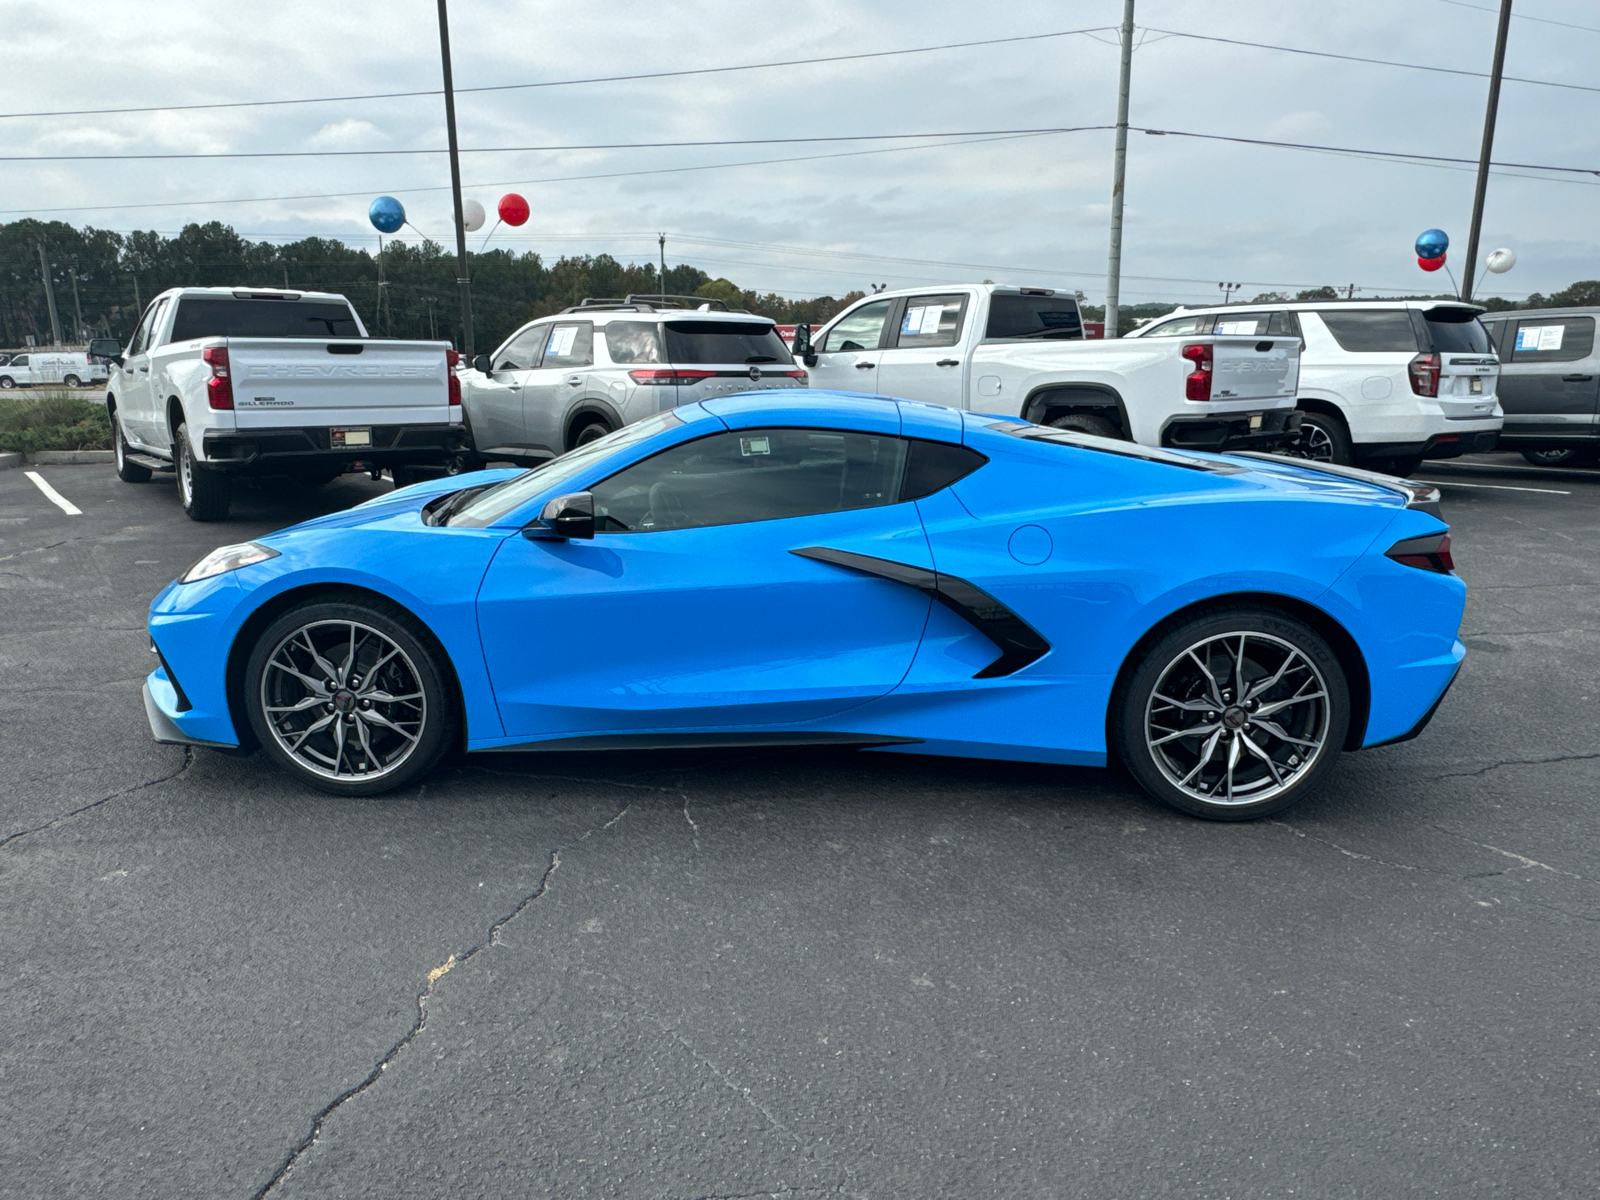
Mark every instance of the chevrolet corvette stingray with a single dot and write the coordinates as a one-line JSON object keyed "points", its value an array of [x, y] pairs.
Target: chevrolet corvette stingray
{"points": [[815, 568]]}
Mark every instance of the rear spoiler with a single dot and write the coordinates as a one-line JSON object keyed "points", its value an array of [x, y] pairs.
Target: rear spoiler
{"points": [[1421, 496]]}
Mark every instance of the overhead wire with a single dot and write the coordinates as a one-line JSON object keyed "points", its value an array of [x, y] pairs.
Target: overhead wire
{"points": [[1523, 16]]}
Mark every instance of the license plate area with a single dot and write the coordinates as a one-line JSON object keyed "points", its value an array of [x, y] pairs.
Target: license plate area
{"points": [[349, 438], [1255, 421], [1475, 385]]}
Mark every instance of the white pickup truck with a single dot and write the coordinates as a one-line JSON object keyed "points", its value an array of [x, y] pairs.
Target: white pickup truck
{"points": [[218, 382], [1020, 352]]}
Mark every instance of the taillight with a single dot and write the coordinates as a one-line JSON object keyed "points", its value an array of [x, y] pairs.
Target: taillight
{"points": [[1197, 385], [452, 360], [219, 388], [1424, 372], [659, 376], [794, 375], [1431, 553]]}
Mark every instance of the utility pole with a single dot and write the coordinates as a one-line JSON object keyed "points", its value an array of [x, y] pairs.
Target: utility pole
{"points": [[77, 308], [663, 240], [462, 276], [1488, 146], [50, 296], [1119, 170]]}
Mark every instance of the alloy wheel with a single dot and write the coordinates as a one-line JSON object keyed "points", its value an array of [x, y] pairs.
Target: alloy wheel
{"points": [[1237, 718], [343, 701], [1314, 444]]}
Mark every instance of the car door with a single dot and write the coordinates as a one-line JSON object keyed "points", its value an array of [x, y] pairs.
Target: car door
{"points": [[550, 392], [494, 404], [690, 608], [847, 354], [923, 360], [133, 384], [1549, 385]]}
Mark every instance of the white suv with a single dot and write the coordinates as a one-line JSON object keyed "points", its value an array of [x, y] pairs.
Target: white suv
{"points": [[1383, 383], [561, 381]]}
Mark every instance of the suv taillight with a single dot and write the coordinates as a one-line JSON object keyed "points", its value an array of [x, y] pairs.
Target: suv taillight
{"points": [[1431, 553], [452, 360], [657, 376], [219, 388], [1197, 385], [1424, 372]]}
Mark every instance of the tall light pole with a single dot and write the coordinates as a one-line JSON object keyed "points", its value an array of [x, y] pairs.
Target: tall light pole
{"points": [[663, 240], [1118, 172], [462, 276], [1488, 146], [50, 296]]}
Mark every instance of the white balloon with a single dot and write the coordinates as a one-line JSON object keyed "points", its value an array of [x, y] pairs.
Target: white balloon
{"points": [[472, 216], [1500, 261]]}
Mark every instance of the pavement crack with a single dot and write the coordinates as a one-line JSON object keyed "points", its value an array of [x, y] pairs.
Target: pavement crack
{"points": [[1515, 762], [188, 761], [1348, 853], [693, 824], [491, 939]]}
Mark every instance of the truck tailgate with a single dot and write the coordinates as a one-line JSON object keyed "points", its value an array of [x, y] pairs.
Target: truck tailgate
{"points": [[290, 382], [1253, 368]]}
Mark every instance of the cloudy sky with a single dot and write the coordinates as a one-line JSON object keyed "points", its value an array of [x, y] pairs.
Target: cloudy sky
{"points": [[838, 215]]}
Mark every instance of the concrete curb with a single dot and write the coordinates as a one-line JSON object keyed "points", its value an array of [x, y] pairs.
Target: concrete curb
{"points": [[59, 458], [10, 459]]}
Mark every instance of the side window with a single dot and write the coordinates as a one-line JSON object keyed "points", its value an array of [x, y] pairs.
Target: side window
{"points": [[141, 335], [522, 352], [1558, 339], [933, 466], [1181, 327], [151, 335], [1378, 332], [633, 342], [1243, 324], [1497, 332], [751, 475], [570, 345], [20, 360], [861, 330], [1283, 324], [931, 321]]}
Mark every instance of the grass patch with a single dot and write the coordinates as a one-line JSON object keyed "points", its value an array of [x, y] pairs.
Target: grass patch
{"points": [[49, 422]]}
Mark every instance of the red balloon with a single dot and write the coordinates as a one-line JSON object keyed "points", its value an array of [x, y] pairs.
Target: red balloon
{"points": [[514, 209], [1431, 264]]}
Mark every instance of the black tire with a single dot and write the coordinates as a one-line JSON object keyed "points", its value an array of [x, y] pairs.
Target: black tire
{"points": [[1089, 423], [1273, 640], [592, 429], [205, 494], [1572, 457], [361, 757], [7, 382], [71, 381], [128, 472], [1323, 438]]}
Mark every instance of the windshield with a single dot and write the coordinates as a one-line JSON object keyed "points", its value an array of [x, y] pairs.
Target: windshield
{"points": [[724, 342], [502, 498], [199, 317]]}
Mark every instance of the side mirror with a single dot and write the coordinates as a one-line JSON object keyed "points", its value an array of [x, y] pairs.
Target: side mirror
{"points": [[117, 358], [802, 341], [482, 363], [570, 516]]}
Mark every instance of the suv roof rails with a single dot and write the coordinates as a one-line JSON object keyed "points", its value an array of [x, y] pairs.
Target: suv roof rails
{"points": [[652, 302]]}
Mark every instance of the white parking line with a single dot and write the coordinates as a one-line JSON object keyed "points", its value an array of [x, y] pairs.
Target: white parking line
{"points": [[55, 497], [1496, 487]]}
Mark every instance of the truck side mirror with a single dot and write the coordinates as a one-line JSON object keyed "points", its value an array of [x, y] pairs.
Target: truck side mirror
{"points": [[482, 363], [802, 345], [569, 516]]}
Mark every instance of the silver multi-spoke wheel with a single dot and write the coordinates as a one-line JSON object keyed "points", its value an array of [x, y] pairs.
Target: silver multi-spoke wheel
{"points": [[1314, 443], [1238, 718], [343, 700]]}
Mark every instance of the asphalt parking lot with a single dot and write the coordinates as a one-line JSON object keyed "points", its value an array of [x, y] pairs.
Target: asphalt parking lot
{"points": [[791, 973]]}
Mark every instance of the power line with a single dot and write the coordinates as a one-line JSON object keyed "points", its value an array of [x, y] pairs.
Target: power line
{"points": [[1524, 16], [786, 141], [509, 87], [1382, 62]]}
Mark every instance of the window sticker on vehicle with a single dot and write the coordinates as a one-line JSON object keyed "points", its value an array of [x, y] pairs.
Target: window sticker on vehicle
{"points": [[755, 445], [1540, 337], [1245, 328], [561, 341]]}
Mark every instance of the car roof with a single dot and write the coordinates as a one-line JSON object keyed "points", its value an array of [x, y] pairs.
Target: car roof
{"points": [[1314, 305], [246, 293], [605, 316], [1576, 310]]}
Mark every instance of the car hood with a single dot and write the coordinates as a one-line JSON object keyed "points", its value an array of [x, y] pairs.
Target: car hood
{"points": [[384, 509]]}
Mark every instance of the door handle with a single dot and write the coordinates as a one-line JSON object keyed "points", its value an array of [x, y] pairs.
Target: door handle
{"points": [[1576, 378], [575, 381], [948, 362], [865, 366], [144, 370]]}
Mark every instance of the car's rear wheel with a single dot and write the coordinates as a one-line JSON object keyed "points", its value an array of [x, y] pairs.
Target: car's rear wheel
{"points": [[590, 431], [1234, 714], [1088, 423], [1560, 458], [1323, 438], [71, 381], [205, 494], [128, 472], [350, 697]]}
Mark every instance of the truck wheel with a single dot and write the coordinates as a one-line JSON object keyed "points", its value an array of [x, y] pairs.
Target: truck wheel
{"points": [[1322, 439], [1088, 423], [205, 494], [128, 472], [7, 382], [71, 381]]}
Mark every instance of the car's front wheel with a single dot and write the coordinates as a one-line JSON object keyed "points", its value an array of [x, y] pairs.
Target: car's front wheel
{"points": [[349, 697], [128, 472], [1234, 714]]}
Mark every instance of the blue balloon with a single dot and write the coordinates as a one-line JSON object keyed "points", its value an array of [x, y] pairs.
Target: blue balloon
{"points": [[387, 214], [1433, 243]]}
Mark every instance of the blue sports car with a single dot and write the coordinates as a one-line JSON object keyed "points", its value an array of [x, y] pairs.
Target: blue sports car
{"points": [[818, 568]]}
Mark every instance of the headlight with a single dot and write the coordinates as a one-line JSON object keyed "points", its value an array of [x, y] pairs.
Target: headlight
{"points": [[227, 558]]}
